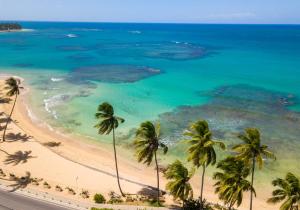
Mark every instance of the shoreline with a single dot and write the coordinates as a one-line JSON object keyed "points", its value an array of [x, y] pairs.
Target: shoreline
{"points": [[96, 158], [16, 30], [74, 150]]}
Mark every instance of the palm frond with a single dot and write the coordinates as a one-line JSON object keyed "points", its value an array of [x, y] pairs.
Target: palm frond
{"points": [[288, 190], [147, 142]]}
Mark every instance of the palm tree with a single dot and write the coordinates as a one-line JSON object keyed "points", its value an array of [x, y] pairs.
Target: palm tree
{"points": [[252, 151], [201, 151], [288, 190], [179, 185], [147, 143], [13, 87], [109, 122], [232, 181]]}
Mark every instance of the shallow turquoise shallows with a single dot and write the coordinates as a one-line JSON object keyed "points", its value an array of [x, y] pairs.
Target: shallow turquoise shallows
{"points": [[235, 76]]}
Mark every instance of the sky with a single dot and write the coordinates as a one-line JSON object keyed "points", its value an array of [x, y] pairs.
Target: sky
{"points": [[164, 11]]}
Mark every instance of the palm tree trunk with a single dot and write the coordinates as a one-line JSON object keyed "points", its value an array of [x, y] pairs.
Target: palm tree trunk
{"points": [[202, 183], [252, 182], [231, 205], [116, 162], [8, 119], [157, 176]]}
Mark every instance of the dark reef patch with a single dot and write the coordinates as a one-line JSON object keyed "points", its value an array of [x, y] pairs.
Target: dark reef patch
{"points": [[233, 108], [159, 50], [112, 73], [175, 51]]}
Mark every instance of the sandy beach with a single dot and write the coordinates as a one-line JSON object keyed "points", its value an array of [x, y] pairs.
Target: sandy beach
{"points": [[79, 163]]}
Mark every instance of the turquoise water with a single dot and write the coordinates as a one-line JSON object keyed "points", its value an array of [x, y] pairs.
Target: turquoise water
{"points": [[235, 76]]}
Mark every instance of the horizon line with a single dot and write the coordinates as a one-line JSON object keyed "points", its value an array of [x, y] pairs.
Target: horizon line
{"points": [[162, 22]]}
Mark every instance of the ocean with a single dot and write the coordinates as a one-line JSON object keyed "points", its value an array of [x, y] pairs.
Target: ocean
{"points": [[234, 76]]}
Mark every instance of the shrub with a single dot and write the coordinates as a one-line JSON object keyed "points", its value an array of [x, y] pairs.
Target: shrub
{"points": [[85, 194], [36, 181], [114, 198], [46, 185], [98, 198], [58, 188], [155, 204], [220, 207], [196, 205], [70, 191]]}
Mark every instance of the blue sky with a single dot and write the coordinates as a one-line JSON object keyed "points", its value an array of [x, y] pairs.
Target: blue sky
{"points": [[174, 11]]}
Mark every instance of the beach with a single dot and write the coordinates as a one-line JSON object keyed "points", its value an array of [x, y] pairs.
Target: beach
{"points": [[232, 76], [78, 163], [68, 158]]}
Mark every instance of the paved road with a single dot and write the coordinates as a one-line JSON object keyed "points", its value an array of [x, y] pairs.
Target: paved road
{"points": [[13, 201]]}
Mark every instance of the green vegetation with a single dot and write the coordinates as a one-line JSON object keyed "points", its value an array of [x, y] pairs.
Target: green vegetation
{"points": [[232, 175], [191, 204], [147, 143], [93, 208], [288, 190], [179, 186], [10, 26], [232, 181], [252, 151], [99, 198], [201, 151], [114, 198], [13, 87], [109, 122]]}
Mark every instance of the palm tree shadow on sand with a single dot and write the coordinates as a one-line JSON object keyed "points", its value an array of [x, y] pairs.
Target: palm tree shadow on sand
{"points": [[150, 192], [5, 100], [12, 137], [21, 182], [3, 118], [18, 157]]}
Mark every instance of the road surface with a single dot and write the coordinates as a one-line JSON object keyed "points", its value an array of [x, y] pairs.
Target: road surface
{"points": [[13, 201]]}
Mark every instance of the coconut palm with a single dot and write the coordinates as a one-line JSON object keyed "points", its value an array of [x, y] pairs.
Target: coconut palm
{"points": [[232, 181], [288, 190], [146, 143], [251, 151], [201, 151], [109, 122], [179, 185], [13, 87]]}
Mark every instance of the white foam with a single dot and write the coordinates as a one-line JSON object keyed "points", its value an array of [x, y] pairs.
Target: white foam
{"points": [[27, 30], [52, 102], [53, 79], [31, 115], [72, 35], [22, 30], [135, 32]]}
